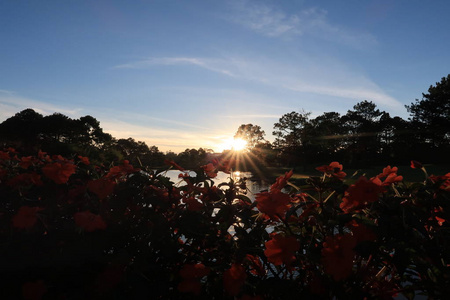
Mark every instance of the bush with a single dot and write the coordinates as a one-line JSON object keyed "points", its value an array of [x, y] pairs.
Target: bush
{"points": [[71, 230]]}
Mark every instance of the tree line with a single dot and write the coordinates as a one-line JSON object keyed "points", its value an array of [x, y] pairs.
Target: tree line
{"points": [[364, 135]]}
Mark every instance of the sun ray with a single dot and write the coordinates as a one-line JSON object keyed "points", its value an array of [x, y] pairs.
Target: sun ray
{"points": [[234, 144]]}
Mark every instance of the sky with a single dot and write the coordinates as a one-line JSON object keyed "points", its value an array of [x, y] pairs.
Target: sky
{"points": [[186, 74]]}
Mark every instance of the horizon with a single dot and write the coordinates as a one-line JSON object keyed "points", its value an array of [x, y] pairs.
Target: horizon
{"points": [[181, 75]]}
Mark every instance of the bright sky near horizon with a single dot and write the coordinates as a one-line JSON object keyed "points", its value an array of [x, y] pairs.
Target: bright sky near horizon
{"points": [[186, 74]]}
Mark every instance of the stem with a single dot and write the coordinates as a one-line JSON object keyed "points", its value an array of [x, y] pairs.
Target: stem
{"points": [[329, 196], [286, 224]]}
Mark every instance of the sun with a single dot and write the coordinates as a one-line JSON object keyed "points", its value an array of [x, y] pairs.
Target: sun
{"points": [[238, 144], [233, 144]]}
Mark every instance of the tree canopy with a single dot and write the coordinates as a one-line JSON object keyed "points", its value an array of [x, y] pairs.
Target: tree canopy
{"points": [[252, 134], [431, 115]]}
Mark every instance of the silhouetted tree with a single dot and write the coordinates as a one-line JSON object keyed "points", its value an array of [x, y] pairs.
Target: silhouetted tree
{"points": [[138, 153], [362, 127], [58, 128], [430, 116], [252, 134], [90, 133], [289, 136], [191, 158], [324, 137], [396, 139], [263, 153], [23, 128]]}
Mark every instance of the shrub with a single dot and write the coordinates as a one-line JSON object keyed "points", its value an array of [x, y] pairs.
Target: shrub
{"points": [[72, 230]]}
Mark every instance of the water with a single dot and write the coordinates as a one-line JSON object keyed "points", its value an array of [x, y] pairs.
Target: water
{"points": [[253, 186]]}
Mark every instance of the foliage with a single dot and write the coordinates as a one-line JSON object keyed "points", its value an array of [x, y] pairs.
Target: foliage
{"points": [[289, 129], [431, 115], [252, 134], [289, 134], [324, 136], [138, 153], [72, 230], [191, 158]]}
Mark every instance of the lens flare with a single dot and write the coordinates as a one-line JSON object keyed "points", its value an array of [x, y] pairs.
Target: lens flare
{"points": [[233, 144]]}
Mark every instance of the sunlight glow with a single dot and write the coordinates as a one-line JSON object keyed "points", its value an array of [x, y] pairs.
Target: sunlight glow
{"points": [[233, 144]]}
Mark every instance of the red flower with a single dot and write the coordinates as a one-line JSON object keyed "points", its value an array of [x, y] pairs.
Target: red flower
{"points": [[191, 274], [4, 155], [281, 250], [360, 194], [300, 197], [256, 266], [89, 221], [26, 217], [234, 279], [281, 181], [224, 165], [26, 162], [12, 150], [273, 203], [102, 187], [162, 193], [25, 179], [416, 165], [193, 204], [43, 155], [388, 171], [438, 210], [84, 160], [390, 174], [337, 256], [444, 180], [173, 164], [392, 178], [333, 169], [59, 172], [210, 170], [307, 210], [34, 290], [122, 170], [58, 158], [440, 220], [194, 271]]}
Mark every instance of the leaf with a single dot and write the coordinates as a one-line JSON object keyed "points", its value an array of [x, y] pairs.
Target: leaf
{"points": [[245, 199], [223, 184]]}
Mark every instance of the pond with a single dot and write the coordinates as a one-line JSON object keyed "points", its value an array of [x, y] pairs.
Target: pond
{"points": [[253, 186]]}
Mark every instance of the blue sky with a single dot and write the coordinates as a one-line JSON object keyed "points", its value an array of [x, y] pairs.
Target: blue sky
{"points": [[186, 74]]}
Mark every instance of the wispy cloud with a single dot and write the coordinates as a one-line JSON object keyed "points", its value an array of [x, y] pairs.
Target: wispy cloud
{"points": [[252, 116], [11, 103], [264, 19], [308, 75], [146, 119], [274, 22], [6, 92], [209, 64], [356, 93]]}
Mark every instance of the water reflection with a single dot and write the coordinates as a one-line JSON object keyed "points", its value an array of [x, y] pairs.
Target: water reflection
{"points": [[253, 186]]}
